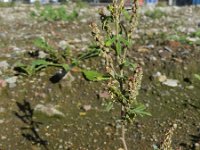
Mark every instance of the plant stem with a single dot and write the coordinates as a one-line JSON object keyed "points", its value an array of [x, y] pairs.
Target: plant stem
{"points": [[122, 113], [123, 136]]}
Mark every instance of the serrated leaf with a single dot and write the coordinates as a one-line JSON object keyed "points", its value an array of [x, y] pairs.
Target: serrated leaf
{"points": [[140, 110], [94, 75], [109, 106], [90, 53]]}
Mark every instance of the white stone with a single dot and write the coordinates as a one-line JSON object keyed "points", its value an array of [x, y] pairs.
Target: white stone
{"points": [[50, 110], [162, 78], [11, 80], [4, 65], [87, 107], [2, 121], [2, 110], [42, 54], [63, 44], [192, 39], [171, 82]]}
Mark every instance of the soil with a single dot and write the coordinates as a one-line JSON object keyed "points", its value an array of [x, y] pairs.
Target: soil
{"points": [[22, 128]]}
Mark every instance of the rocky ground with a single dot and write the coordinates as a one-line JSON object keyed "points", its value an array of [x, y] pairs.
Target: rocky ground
{"points": [[38, 114]]}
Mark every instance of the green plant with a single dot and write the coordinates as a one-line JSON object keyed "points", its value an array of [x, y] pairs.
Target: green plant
{"points": [[81, 4], [125, 77], [112, 44], [192, 38], [48, 13], [155, 14], [55, 58], [185, 39], [7, 4], [196, 34], [37, 65], [45, 47]]}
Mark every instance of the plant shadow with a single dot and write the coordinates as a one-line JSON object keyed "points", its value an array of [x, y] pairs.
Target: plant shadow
{"points": [[58, 76], [30, 130]]}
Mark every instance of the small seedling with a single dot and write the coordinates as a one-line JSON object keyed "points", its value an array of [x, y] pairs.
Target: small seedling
{"points": [[53, 59], [58, 58], [37, 65]]}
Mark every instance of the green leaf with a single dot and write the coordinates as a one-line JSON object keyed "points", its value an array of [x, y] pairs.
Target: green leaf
{"points": [[124, 41], [65, 66], [19, 64], [140, 110], [89, 54], [118, 48], [24, 69], [109, 106], [126, 14], [40, 62], [127, 63], [94, 76], [197, 76], [37, 65], [42, 44], [110, 41], [173, 37]]}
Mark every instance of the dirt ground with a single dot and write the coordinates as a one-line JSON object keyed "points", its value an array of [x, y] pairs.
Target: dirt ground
{"points": [[167, 45]]}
